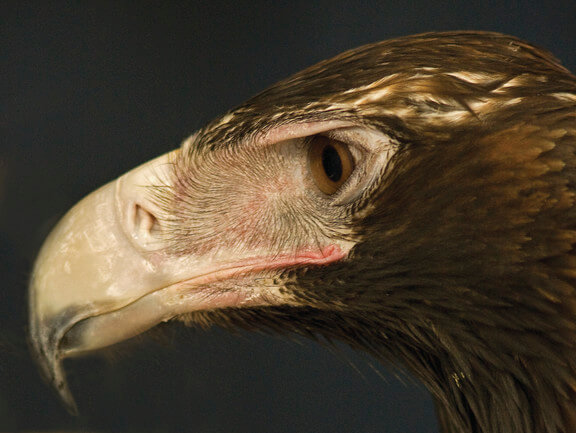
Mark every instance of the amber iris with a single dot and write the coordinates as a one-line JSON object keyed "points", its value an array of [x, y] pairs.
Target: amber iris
{"points": [[331, 163]]}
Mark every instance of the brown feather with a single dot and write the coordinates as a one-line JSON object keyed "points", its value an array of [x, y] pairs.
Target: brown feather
{"points": [[466, 268]]}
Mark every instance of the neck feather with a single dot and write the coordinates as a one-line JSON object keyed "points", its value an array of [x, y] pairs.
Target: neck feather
{"points": [[529, 386]]}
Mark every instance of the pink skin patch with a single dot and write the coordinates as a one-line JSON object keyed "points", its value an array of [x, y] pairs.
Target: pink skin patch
{"points": [[246, 295], [330, 254]]}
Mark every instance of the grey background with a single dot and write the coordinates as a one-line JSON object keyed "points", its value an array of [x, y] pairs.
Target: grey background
{"points": [[90, 90]]}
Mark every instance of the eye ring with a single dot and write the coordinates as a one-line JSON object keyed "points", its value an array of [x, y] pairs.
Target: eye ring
{"points": [[330, 162]]}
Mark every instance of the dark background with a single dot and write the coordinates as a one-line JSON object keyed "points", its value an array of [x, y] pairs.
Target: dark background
{"points": [[90, 90]]}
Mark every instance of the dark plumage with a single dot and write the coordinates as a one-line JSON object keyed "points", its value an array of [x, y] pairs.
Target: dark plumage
{"points": [[449, 250]]}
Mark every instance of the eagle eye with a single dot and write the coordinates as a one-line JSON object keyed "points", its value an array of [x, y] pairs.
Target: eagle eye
{"points": [[331, 163]]}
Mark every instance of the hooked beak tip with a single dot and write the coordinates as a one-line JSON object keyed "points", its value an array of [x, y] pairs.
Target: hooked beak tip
{"points": [[45, 348], [53, 372]]}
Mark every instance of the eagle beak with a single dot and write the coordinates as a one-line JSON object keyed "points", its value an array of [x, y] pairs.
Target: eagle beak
{"points": [[102, 264]]}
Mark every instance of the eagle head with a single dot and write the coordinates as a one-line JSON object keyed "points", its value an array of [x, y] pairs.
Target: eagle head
{"points": [[413, 198]]}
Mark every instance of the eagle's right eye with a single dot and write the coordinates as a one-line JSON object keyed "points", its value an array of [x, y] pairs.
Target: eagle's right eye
{"points": [[330, 162]]}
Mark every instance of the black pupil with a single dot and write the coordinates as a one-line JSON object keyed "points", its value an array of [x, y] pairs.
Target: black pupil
{"points": [[332, 163]]}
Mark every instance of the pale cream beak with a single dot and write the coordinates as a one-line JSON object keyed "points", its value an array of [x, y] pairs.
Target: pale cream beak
{"points": [[105, 274], [101, 258]]}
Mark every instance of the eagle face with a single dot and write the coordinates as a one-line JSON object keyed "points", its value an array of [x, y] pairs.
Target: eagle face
{"points": [[413, 198]]}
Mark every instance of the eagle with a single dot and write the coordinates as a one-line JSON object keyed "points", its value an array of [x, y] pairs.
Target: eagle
{"points": [[413, 198]]}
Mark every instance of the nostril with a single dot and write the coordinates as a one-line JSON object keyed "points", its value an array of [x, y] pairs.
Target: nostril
{"points": [[145, 226], [146, 222], [142, 219]]}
